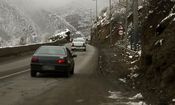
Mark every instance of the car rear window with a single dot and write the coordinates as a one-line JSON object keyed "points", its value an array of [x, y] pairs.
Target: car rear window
{"points": [[78, 40], [51, 50]]}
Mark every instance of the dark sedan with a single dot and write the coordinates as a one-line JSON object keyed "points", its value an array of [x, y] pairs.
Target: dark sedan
{"points": [[52, 59]]}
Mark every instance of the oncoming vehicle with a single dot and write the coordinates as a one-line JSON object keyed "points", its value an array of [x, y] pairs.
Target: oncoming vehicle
{"points": [[78, 44], [52, 59]]}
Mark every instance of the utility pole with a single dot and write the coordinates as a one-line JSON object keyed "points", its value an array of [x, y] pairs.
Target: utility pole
{"points": [[110, 27], [91, 23], [135, 21], [96, 10], [126, 24], [96, 19]]}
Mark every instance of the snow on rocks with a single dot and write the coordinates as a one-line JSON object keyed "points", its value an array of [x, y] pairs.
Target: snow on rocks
{"points": [[133, 62], [140, 7], [140, 52], [114, 95], [169, 16], [151, 27], [115, 55], [133, 75], [137, 97], [130, 57], [151, 11], [133, 68], [159, 42], [122, 80]]}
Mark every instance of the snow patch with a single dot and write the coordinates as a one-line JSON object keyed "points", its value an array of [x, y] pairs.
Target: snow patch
{"points": [[133, 62], [137, 96], [140, 52], [130, 57], [170, 15], [132, 75], [114, 95], [133, 68], [151, 11], [140, 7], [136, 103], [122, 80], [159, 42]]}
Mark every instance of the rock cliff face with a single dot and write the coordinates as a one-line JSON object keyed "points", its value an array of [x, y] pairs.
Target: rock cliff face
{"points": [[157, 62], [158, 51]]}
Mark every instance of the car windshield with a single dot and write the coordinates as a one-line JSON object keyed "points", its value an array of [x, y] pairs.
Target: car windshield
{"points": [[51, 50]]}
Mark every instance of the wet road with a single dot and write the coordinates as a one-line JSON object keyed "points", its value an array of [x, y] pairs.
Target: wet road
{"points": [[86, 87]]}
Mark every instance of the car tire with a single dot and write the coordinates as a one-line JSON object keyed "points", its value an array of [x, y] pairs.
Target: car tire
{"points": [[33, 73], [72, 71]]}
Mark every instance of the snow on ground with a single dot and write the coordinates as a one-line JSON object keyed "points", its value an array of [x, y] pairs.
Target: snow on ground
{"points": [[117, 95], [136, 103], [137, 96], [114, 95]]}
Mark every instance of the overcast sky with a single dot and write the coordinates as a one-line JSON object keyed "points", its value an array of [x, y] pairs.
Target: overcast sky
{"points": [[57, 3]]}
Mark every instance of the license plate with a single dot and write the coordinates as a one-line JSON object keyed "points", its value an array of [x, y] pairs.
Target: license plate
{"points": [[48, 67]]}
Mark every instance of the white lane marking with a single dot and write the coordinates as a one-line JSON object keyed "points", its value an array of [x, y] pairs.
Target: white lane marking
{"points": [[13, 74]]}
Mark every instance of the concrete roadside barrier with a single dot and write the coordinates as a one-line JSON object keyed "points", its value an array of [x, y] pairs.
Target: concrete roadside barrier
{"points": [[13, 51]]}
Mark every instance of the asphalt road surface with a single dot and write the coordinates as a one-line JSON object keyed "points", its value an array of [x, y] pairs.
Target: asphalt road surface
{"points": [[86, 87]]}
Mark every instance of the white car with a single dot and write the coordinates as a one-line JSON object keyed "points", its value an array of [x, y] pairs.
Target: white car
{"points": [[78, 44]]}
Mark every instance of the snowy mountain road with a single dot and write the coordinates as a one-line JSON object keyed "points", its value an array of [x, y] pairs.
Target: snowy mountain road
{"points": [[85, 87]]}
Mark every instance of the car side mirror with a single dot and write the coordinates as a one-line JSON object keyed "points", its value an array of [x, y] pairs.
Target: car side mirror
{"points": [[74, 56]]}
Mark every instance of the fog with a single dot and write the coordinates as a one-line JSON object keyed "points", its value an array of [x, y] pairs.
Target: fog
{"points": [[52, 4]]}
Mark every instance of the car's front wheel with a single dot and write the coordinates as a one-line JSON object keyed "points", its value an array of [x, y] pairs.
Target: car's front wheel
{"points": [[33, 73]]}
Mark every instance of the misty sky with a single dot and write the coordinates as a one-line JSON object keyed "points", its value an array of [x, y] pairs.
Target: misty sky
{"points": [[58, 3], [51, 4]]}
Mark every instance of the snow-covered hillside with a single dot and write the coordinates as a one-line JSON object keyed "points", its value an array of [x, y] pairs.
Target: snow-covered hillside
{"points": [[14, 25], [21, 24]]}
